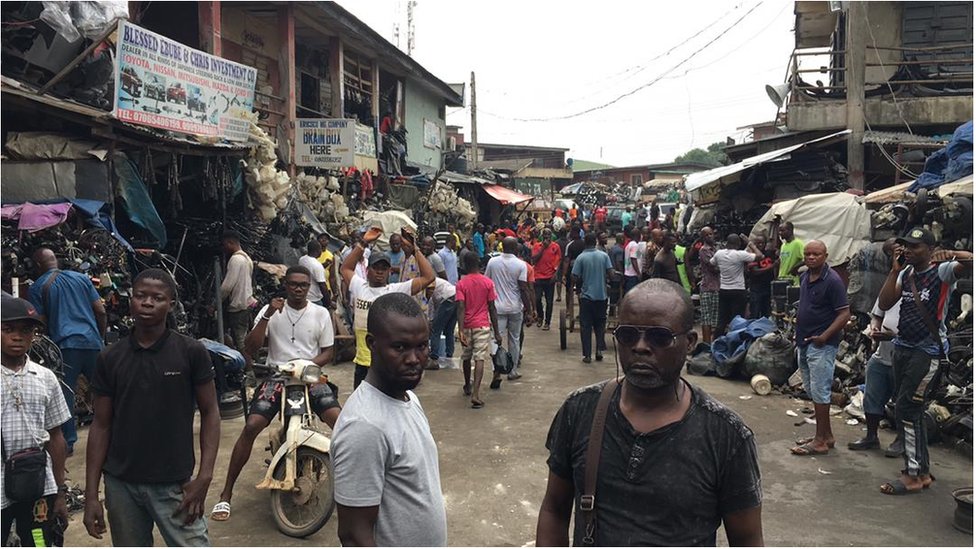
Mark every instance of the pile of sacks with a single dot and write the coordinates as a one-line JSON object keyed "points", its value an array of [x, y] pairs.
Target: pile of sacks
{"points": [[321, 194], [445, 201], [267, 186]]}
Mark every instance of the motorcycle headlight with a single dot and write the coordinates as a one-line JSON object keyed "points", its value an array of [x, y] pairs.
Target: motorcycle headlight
{"points": [[311, 374]]}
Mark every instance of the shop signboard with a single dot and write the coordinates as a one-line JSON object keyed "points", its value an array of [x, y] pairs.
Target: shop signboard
{"points": [[164, 84], [325, 142]]}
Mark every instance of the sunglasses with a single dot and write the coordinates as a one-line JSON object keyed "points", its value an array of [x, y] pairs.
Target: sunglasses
{"points": [[658, 337]]}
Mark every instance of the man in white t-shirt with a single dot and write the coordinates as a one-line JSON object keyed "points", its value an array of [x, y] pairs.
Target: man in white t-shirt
{"points": [[293, 328], [731, 262], [632, 266], [363, 291], [510, 275], [318, 292]]}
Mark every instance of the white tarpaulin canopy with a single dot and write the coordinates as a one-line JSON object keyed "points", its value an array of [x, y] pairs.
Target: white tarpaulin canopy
{"points": [[698, 180], [839, 220], [391, 221]]}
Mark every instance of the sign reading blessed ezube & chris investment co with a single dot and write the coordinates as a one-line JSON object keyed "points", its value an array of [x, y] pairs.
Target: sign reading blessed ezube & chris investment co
{"points": [[164, 84], [325, 142]]}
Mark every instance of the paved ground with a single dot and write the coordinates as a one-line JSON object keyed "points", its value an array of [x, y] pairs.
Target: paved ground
{"points": [[494, 473]]}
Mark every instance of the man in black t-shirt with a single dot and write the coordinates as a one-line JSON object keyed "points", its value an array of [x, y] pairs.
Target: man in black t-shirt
{"points": [[675, 462], [146, 388]]}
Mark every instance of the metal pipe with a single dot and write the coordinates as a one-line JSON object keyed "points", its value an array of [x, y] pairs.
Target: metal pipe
{"points": [[219, 306]]}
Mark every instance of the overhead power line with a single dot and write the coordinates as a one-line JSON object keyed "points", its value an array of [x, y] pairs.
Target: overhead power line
{"points": [[643, 86]]}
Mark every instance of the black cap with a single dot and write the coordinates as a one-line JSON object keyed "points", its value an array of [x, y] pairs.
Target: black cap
{"points": [[918, 235], [377, 257], [14, 308]]}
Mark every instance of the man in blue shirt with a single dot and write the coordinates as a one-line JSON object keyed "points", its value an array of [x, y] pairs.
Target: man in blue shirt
{"points": [[479, 241], [590, 273], [396, 257], [820, 321], [76, 321], [448, 255]]}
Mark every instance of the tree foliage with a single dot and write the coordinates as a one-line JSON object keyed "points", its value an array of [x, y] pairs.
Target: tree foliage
{"points": [[712, 156]]}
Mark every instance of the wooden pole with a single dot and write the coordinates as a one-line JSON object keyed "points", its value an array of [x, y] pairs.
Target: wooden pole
{"points": [[474, 126], [854, 80]]}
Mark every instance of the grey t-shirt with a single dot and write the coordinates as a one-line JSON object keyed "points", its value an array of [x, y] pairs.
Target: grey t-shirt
{"points": [[506, 271], [384, 455], [436, 263]]}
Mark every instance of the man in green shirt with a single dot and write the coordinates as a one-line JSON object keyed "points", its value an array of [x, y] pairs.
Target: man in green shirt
{"points": [[790, 253], [679, 254]]}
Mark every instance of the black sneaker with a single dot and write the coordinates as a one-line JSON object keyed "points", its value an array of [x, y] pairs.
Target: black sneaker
{"points": [[496, 383], [587, 360], [599, 357]]}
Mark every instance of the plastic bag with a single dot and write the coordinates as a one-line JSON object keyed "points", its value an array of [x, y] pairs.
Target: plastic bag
{"points": [[92, 19], [57, 16], [772, 355]]}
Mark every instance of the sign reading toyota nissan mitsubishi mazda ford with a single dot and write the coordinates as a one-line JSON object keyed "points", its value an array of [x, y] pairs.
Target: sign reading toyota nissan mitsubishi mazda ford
{"points": [[164, 84]]}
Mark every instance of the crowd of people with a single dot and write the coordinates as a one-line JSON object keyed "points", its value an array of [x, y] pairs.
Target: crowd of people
{"points": [[403, 304]]}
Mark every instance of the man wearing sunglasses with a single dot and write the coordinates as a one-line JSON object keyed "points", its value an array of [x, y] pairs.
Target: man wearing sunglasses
{"points": [[675, 463], [293, 327]]}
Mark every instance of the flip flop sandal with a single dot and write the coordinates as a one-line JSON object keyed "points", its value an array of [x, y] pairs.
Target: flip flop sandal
{"points": [[477, 404], [221, 511], [897, 488], [808, 450], [803, 441]]}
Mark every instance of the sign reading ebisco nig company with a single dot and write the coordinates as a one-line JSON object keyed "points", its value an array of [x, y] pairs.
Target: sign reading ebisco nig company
{"points": [[325, 142], [164, 84]]}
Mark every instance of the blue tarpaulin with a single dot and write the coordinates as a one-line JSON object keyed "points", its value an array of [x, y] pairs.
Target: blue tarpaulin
{"points": [[949, 163], [136, 200], [729, 350], [98, 213]]}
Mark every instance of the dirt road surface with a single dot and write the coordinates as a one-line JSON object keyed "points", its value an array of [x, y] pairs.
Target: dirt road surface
{"points": [[493, 466]]}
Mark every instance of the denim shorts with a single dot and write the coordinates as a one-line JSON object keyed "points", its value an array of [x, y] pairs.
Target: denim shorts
{"points": [[817, 369]]}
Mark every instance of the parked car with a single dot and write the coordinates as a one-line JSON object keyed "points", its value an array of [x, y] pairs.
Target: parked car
{"points": [[614, 221], [131, 83], [176, 93], [154, 90]]}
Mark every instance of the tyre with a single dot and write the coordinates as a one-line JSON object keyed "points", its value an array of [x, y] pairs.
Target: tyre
{"points": [[562, 330], [305, 511]]}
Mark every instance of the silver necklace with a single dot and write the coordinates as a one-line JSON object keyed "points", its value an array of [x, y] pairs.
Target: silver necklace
{"points": [[14, 389], [296, 321]]}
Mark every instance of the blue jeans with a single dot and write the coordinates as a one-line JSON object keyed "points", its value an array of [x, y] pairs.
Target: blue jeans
{"points": [[445, 319], [630, 282], [76, 362], [511, 324], [133, 509], [817, 369], [879, 385]]}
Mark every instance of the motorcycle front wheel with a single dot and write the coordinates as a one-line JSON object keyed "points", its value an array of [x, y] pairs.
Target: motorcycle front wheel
{"points": [[302, 512]]}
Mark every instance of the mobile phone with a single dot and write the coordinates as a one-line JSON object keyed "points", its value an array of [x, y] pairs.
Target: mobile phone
{"points": [[901, 259]]}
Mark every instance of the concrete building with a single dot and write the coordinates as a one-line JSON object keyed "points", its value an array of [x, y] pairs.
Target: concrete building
{"points": [[316, 60], [880, 67]]}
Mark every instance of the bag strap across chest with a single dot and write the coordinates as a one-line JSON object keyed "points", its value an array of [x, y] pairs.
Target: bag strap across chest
{"points": [[594, 447]]}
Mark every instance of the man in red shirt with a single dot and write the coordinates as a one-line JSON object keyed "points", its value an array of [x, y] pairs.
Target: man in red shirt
{"points": [[545, 257], [600, 217], [475, 297]]}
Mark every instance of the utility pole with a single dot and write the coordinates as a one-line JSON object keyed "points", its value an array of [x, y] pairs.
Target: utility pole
{"points": [[855, 47], [474, 126]]}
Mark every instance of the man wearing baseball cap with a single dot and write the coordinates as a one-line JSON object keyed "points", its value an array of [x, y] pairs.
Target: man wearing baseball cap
{"points": [[33, 410], [362, 292], [921, 278]]}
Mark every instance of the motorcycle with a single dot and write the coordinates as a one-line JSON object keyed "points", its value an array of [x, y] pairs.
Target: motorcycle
{"points": [[300, 474]]}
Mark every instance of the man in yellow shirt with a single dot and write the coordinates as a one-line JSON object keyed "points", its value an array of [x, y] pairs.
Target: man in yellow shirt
{"points": [[790, 253], [328, 262]]}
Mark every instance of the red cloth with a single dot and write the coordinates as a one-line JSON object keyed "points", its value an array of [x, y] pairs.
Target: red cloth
{"points": [[572, 213], [548, 264], [476, 291], [386, 125], [530, 273]]}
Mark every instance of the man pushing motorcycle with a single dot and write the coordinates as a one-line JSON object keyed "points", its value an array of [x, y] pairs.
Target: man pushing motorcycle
{"points": [[293, 328]]}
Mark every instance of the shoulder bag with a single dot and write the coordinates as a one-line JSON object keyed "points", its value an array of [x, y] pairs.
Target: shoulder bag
{"points": [[24, 474], [587, 505]]}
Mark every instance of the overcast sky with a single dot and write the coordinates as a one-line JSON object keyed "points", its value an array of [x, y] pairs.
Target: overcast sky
{"points": [[547, 59]]}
